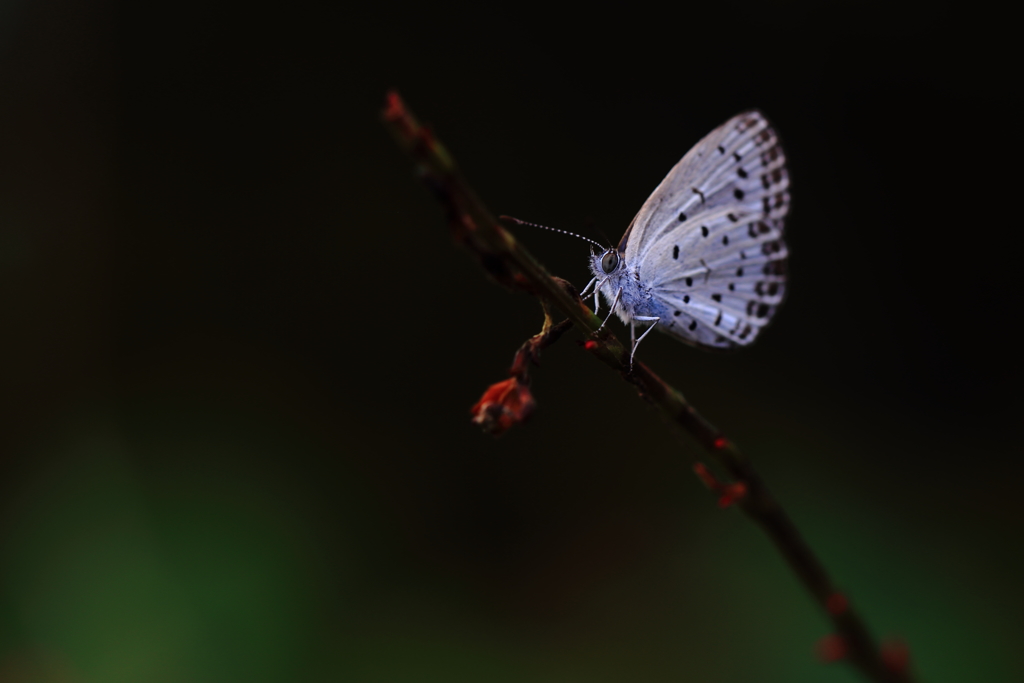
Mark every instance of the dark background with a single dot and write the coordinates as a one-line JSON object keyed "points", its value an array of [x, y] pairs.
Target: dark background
{"points": [[239, 348]]}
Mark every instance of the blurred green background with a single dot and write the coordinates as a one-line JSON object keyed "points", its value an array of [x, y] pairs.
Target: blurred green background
{"points": [[239, 348]]}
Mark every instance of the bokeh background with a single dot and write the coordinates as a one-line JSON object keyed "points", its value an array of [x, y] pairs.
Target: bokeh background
{"points": [[239, 348]]}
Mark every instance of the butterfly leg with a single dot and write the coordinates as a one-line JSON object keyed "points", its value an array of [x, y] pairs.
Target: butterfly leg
{"points": [[611, 312], [583, 294], [597, 295], [644, 319]]}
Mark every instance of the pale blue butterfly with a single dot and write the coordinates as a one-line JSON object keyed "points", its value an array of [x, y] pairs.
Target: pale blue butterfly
{"points": [[704, 259]]}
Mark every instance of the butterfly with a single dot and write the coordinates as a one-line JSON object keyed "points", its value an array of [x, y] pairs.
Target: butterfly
{"points": [[704, 260]]}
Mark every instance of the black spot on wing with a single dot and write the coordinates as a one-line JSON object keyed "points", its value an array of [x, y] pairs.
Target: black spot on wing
{"points": [[769, 156]]}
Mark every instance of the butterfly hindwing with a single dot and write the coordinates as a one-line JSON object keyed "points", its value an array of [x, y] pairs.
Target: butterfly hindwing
{"points": [[708, 242]]}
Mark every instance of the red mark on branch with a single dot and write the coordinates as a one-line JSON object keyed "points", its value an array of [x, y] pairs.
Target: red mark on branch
{"points": [[831, 648], [721, 443], [729, 493], [590, 345], [427, 135], [896, 656], [709, 480], [733, 492], [503, 404], [394, 110], [836, 604]]}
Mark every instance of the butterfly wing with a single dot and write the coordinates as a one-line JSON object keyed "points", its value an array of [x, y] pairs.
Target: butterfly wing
{"points": [[708, 241]]}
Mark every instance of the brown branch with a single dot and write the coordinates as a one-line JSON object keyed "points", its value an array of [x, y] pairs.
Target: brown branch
{"points": [[510, 264]]}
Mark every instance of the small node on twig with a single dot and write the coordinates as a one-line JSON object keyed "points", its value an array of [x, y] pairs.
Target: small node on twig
{"points": [[837, 604], [729, 493], [523, 283], [721, 442], [831, 648], [394, 111], [896, 655], [590, 345], [427, 135]]}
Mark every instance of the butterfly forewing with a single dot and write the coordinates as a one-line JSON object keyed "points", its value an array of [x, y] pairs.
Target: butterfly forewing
{"points": [[708, 241]]}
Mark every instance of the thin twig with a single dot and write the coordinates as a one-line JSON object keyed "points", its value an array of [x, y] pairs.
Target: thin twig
{"points": [[510, 264], [510, 402]]}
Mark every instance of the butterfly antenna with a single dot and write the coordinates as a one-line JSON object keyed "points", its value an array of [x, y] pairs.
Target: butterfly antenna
{"points": [[606, 238], [564, 232]]}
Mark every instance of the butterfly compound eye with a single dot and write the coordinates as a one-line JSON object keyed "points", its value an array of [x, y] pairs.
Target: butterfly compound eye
{"points": [[610, 262]]}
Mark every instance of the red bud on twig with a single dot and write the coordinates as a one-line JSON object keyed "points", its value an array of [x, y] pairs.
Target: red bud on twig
{"points": [[836, 604], [503, 404], [831, 648], [729, 493], [896, 656]]}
